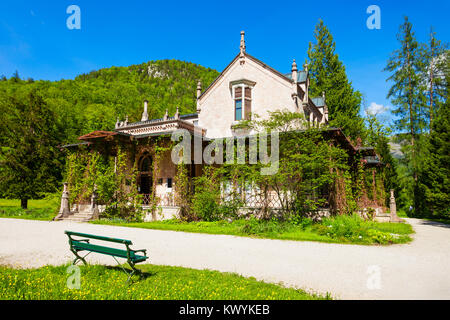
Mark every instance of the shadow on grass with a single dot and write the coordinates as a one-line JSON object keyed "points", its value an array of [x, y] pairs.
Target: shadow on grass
{"points": [[144, 275]]}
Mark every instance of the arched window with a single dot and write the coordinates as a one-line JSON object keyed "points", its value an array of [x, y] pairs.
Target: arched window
{"points": [[146, 164]]}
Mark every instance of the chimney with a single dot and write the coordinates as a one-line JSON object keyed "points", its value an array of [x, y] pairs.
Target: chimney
{"points": [[199, 89], [145, 114], [199, 93]]}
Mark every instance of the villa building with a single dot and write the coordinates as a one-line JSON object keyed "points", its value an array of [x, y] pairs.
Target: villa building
{"points": [[246, 87]]}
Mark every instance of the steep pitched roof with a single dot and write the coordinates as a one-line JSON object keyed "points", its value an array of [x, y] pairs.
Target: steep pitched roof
{"points": [[262, 64]]}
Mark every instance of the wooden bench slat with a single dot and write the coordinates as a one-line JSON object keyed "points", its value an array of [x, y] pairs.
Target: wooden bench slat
{"points": [[100, 249], [92, 236]]}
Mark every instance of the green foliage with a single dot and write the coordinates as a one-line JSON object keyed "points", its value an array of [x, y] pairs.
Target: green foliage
{"points": [[433, 187], [183, 195], [112, 180], [163, 283], [207, 202], [31, 162], [59, 112], [308, 167], [378, 136], [355, 229], [327, 74]]}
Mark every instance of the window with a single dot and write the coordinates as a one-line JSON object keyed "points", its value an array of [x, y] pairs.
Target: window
{"points": [[242, 94], [238, 109], [169, 183], [145, 164]]}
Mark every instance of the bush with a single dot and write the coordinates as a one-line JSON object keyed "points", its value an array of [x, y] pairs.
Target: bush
{"points": [[205, 206]]}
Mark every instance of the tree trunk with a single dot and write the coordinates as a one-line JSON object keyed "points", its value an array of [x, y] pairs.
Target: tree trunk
{"points": [[24, 203]]}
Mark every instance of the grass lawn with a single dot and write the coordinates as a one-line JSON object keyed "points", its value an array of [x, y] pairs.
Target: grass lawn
{"points": [[342, 229], [160, 283], [44, 209], [351, 230]]}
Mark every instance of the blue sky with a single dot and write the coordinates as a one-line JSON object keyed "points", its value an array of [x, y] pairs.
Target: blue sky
{"points": [[35, 40]]}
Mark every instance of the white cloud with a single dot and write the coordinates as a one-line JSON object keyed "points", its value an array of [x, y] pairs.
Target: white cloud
{"points": [[376, 108]]}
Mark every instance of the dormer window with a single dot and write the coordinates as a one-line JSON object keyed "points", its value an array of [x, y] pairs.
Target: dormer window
{"points": [[242, 97]]}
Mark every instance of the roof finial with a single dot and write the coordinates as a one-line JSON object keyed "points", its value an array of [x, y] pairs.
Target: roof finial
{"points": [[242, 46], [294, 66], [323, 96]]}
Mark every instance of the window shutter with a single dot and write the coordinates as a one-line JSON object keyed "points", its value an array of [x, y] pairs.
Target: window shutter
{"points": [[238, 92], [248, 92], [248, 109]]}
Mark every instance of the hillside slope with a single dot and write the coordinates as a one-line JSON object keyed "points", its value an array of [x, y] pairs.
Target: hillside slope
{"points": [[95, 100]]}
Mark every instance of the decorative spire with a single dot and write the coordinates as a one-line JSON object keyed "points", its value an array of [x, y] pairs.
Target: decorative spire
{"points": [[117, 123], [145, 114], [294, 71], [242, 46], [126, 121], [166, 115], [323, 96], [177, 114], [294, 66]]}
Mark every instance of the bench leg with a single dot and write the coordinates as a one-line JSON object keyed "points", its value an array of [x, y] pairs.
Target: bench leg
{"points": [[135, 270], [78, 257], [132, 273]]}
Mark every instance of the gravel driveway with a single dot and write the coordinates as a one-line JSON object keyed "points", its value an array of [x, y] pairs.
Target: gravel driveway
{"points": [[420, 270]]}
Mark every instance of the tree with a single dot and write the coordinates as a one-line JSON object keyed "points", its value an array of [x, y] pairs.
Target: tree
{"points": [[433, 186], [407, 91], [29, 160], [435, 60], [378, 136], [327, 74]]}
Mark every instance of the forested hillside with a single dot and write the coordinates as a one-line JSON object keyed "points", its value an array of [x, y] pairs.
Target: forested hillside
{"points": [[94, 101]]}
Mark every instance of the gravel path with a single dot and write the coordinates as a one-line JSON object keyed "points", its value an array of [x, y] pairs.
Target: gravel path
{"points": [[419, 270]]}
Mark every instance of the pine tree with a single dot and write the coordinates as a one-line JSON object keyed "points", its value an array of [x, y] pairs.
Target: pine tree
{"points": [[407, 92], [435, 57], [30, 161], [327, 74], [433, 188]]}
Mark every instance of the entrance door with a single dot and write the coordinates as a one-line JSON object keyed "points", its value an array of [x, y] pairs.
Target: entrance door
{"points": [[146, 181]]}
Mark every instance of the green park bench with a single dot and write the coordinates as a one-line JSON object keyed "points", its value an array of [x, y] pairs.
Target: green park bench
{"points": [[77, 245]]}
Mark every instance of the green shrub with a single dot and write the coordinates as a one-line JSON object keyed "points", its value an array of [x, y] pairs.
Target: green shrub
{"points": [[205, 205]]}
